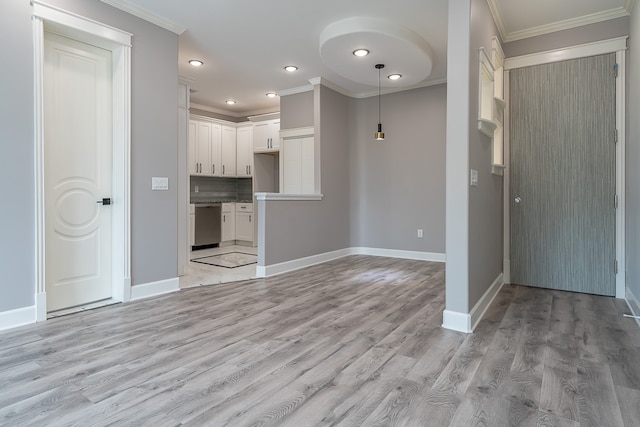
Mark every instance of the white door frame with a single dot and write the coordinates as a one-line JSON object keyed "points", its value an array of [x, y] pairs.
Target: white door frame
{"points": [[617, 46], [119, 43]]}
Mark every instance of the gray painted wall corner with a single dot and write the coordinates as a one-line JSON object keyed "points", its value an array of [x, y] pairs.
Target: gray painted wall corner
{"points": [[17, 216], [632, 220]]}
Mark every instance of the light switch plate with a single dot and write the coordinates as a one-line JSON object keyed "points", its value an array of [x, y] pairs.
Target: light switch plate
{"points": [[474, 178], [159, 183]]}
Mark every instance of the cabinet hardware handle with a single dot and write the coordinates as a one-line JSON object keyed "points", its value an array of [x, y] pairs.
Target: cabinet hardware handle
{"points": [[104, 201], [222, 169], [213, 169], [249, 218]]}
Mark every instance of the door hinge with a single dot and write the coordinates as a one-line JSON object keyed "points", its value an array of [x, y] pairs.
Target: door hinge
{"points": [[615, 136], [615, 201], [615, 70], [615, 266]]}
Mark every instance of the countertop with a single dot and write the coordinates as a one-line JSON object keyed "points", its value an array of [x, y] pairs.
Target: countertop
{"points": [[212, 201]]}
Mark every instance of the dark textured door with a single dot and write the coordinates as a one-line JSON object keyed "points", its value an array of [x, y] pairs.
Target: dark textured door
{"points": [[563, 175]]}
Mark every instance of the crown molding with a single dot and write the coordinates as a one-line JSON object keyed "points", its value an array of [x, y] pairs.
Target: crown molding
{"points": [[628, 5], [235, 114], [185, 80], [497, 18], [215, 110], [142, 13], [539, 30], [388, 91], [294, 90], [568, 23]]}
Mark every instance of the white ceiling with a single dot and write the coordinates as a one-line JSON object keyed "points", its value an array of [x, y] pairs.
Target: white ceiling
{"points": [[246, 44]]}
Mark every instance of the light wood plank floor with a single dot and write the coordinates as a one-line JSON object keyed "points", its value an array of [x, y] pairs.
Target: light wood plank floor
{"points": [[352, 342]]}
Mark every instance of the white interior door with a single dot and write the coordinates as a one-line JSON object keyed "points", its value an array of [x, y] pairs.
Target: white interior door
{"points": [[77, 172]]}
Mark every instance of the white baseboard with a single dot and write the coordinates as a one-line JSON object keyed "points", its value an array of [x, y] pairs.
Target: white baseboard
{"points": [[395, 253], [633, 303], [18, 317], [466, 322], [152, 289], [456, 321], [478, 310], [284, 267]]}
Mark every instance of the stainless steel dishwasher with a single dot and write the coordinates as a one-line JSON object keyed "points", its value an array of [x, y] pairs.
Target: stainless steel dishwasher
{"points": [[208, 228]]}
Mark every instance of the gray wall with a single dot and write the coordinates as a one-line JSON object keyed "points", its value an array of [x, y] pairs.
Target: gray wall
{"points": [[485, 200], [474, 214], [17, 234], [397, 185], [296, 110], [586, 34], [303, 228], [153, 147], [632, 232]]}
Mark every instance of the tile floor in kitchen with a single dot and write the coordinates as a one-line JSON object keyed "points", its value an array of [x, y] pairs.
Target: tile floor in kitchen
{"points": [[197, 274]]}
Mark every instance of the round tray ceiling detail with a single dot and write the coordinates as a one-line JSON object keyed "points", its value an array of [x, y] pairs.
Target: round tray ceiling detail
{"points": [[401, 51]]}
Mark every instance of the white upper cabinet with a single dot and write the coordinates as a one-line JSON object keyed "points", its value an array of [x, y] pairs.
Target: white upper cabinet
{"points": [[297, 162], [244, 151], [194, 166], [266, 136], [228, 151]]}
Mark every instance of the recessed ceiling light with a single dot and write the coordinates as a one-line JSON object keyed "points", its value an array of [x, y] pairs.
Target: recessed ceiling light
{"points": [[394, 76], [196, 62], [361, 52], [291, 68], [271, 95], [230, 101]]}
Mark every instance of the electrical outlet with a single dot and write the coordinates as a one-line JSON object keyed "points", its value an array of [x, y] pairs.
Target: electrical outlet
{"points": [[420, 233]]}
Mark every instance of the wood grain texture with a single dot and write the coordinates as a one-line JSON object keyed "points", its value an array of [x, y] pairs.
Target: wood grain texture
{"points": [[353, 342]]}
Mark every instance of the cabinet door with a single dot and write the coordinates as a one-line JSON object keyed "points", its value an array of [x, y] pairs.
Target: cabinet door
{"points": [[194, 167], [261, 136], [204, 136], [216, 146], [228, 226], [228, 151], [244, 226], [192, 229], [297, 174], [275, 134], [244, 152]]}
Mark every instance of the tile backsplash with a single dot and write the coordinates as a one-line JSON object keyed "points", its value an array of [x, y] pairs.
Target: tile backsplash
{"points": [[218, 189]]}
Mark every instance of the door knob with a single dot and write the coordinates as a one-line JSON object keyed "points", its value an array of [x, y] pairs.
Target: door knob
{"points": [[517, 199]]}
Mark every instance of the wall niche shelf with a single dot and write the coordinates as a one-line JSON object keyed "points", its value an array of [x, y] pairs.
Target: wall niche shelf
{"points": [[491, 102]]}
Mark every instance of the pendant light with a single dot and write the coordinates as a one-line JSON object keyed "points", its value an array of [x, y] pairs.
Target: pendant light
{"points": [[379, 136]]}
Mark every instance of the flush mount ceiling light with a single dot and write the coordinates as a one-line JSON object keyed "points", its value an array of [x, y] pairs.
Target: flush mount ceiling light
{"points": [[230, 101], [271, 95], [394, 76], [196, 62], [379, 136], [291, 68], [361, 52]]}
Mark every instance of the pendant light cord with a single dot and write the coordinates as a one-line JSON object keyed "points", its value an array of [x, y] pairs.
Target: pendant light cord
{"points": [[379, 95]]}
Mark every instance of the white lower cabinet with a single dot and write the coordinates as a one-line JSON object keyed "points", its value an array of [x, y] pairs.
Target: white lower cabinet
{"points": [[228, 222], [192, 224], [244, 222]]}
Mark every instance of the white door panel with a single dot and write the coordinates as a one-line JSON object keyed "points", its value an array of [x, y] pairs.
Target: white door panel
{"points": [[78, 172]]}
